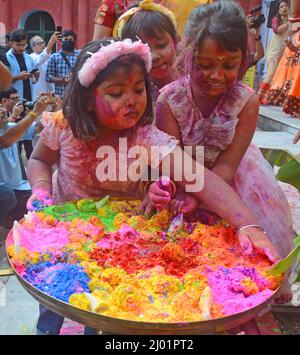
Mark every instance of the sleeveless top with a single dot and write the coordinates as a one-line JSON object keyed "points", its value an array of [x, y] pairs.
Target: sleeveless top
{"points": [[215, 132]]}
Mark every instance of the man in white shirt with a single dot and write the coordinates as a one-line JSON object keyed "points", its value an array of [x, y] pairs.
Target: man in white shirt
{"points": [[41, 54], [14, 190]]}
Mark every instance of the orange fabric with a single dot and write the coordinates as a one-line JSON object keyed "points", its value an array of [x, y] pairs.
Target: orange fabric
{"points": [[285, 90]]}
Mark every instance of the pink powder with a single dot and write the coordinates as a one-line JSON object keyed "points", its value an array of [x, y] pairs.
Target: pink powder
{"points": [[125, 235], [42, 238], [228, 291]]}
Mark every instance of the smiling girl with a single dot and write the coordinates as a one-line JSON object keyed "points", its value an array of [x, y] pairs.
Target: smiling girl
{"points": [[208, 106]]}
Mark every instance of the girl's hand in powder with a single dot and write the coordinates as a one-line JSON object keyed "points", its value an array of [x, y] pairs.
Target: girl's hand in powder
{"points": [[184, 202], [254, 237], [38, 200], [146, 207], [161, 192]]}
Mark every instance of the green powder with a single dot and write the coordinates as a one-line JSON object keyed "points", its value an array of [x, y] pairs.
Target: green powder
{"points": [[84, 209], [108, 220], [65, 212]]}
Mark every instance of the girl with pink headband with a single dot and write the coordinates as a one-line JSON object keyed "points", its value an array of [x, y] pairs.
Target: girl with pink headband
{"points": [[109, 99]]}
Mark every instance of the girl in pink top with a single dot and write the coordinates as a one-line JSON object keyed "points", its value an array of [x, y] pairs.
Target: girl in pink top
{"points": [[208, 106]]}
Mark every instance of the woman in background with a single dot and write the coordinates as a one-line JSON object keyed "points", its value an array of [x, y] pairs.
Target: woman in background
{"points": [[275, 50]]}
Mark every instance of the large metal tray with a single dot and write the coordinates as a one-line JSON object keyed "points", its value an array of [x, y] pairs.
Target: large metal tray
{"points": [[110, 325]]}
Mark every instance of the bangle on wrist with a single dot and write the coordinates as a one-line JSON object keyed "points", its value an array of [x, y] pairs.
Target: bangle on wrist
{"points": [[38, 180], [258, 38], [249, 226], [32, 114], [294, 19]]}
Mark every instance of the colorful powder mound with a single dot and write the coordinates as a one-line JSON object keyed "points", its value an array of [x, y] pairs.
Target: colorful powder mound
{"points": [[107, 258]]}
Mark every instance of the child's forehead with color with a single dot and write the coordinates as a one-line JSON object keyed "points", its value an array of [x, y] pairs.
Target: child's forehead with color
{"points": [[155, 35], [211, 48], [122, 75]]}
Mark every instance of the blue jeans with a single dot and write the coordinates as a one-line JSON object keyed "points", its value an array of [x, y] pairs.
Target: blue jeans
{"points": [[50, 323], [7, 201]]}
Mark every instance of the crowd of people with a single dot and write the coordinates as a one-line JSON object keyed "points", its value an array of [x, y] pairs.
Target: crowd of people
{"points": [[154, 86]]}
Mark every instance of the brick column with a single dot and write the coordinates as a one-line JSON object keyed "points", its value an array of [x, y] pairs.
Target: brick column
{"points": [[83, 23], [67, 14], [5, 16]]}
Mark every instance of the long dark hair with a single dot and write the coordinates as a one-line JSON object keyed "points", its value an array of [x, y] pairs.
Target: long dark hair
{"points": [[278, 6], [78, 99], [224, 21]]}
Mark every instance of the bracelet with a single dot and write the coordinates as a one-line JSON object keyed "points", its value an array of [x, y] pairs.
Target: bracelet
{"points": [[38, 180], [258, 38], [34, 115], [294, 19], [250, 226]]}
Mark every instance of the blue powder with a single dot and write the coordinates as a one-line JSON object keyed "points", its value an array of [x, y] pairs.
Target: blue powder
{"points": [[226, 271], [59, 280], [38, 205]]}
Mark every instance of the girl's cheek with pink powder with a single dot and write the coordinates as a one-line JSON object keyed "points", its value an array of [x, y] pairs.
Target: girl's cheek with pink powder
{"points": [[104, 110], [109, 114]]}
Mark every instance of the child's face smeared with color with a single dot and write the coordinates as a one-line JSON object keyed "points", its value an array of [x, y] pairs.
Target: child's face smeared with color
{"points": [[163, 53], [215, 68], [121, 100]]}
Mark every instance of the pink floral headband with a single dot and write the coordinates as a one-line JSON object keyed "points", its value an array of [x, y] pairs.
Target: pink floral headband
{"points": [[106, 54]]}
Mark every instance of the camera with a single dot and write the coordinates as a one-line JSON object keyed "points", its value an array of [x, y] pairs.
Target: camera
{"points": [[258, 18], [28, 106]]}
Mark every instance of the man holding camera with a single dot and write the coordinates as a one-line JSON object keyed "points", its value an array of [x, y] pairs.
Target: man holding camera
{"points": [[255, 21], [10, 105], [41, 54], [14, 190], [22, 68]]}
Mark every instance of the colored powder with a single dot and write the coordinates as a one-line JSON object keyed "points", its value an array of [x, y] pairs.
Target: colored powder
{"points": [[43, 237], [108, 219], [86, 206], [59, 281], [66, 212], [85, 210], [227, 288], [38, 205], [123, 266]]}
